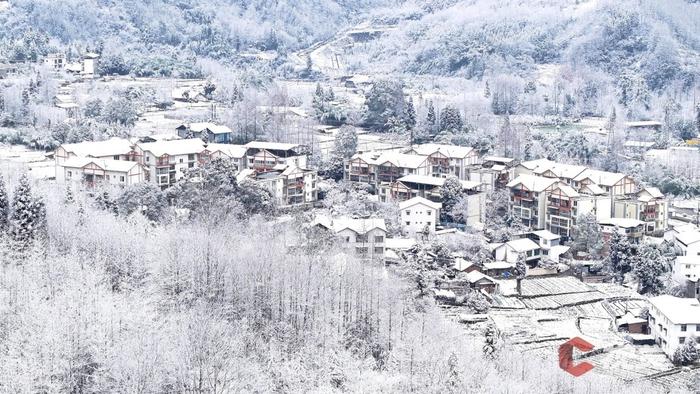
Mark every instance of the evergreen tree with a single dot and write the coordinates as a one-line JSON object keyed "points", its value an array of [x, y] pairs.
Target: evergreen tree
{"points": [[450, 120], [431, 118], [450, 191], [649, 269], [587, 235], [410, 114], [205, 135], [28, 217], [620, 257], [687, 353], [330, 95], [4, 207], [345, 144], [487, 90], [68, 198]]}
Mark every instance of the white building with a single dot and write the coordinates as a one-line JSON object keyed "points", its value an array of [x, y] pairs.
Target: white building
{"points": [[633, 229], [114, 149], [167, 161], [688, 243], [528, 199], [647, 205], [688, 266], [364, 237], [511, 251], [446, 160], [235, 153], [289, 185], [91, 172], [673, 321], [263, 156], [417, 213]]}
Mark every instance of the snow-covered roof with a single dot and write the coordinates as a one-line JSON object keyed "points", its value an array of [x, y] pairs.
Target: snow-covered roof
{"points": [[684, 228], [567, 190], [604, 178], [643, 123], [638, 144], [688, 237], [399, 243], [360, 226], [419, 200], [499, 159], [621, 222], [532, 182], [522, 245], [212, 127], [462, 264], [435, 181], [498, 265], [546, 234], [270, 145], [678, 310], [174, 147], [540, 166], [654, 192], [593, 189], [110, 147], [475, 276], [451, 151], [400, 160], [105, 164], [629, 318], [230, 150]]}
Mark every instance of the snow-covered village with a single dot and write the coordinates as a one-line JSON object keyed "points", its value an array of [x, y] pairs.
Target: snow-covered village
{"points": [[229, 196]]}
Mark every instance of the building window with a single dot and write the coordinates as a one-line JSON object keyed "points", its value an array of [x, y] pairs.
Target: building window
{"points": [[408, 223], [408, 212], [681, 340], [378, 250], [190, 157], [69, 174], [361, 250], [697, 328], [148, 158], [190, 165], [430, 213], [182, 160], [378, 239], [121, 179], [684, 327], [116, 157]]}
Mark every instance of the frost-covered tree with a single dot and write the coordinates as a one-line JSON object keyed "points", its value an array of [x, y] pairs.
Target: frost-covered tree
{"points": [[410, 114], [687, 353], [4, 207], [450, 120], [587, 236], [345, 144], [621, 256], [145, 198], [649, 270], [383, 101], [430, 118], [28, 217], [450, 191]]}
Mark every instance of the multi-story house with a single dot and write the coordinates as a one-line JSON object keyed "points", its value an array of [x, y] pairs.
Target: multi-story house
{"points": [[364, 237], [647, 205], [55, 61], [673, 321], [265, 156], [92, 172], [384, 168], [633, 229], [688, 267], [550, 169], [528, 199], [511, 251], [167, 161], [214, 133], [235, 153], [687, 243], [446, 160], [565, 205], [428, 187], [495, 172], [613, 183], [289, 185], [418, 213], [112, 149]]}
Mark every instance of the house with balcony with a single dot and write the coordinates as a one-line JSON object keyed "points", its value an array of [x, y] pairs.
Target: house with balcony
{"points": [[446, 160], [289, 185], [363, 237], [565, 205], [112, 149], [549, 243], [612, 183], [633, 229], [495, 172], [92, 172], [381, 169], [648, 205], [264, 156], [428, 187], [235, 153], [166, 162], [528, 199], [673, 321], [566, 173], [418, 213], [213, 132]]}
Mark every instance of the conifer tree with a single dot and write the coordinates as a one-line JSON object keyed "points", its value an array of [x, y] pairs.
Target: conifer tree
{"points": [[410, 114], [28, 218], [4, 207], [430, 118]]}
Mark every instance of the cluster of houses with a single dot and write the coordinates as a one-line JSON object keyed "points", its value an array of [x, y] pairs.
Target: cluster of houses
{"points": [[165, 159], [84, 66]]}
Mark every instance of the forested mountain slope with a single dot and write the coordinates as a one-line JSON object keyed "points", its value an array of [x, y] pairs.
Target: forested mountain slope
{"points": [[655, 41], [162, 34]]}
